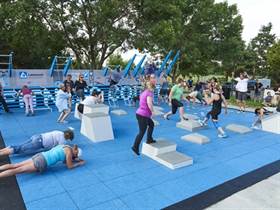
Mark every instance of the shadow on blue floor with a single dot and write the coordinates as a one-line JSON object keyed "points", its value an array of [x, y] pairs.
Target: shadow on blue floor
{"points": [[114, 178]]}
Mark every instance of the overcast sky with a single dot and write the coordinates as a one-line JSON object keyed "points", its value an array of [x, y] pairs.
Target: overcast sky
{"points": [[256, 13]]}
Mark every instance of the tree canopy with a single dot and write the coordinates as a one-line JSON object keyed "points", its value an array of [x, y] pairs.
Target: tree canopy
{"points": [[208, 34]]}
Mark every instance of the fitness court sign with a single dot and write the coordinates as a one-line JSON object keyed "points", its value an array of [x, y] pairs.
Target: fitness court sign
{"points": [[25, 75]]}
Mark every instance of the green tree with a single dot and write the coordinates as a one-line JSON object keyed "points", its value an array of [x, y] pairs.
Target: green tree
{"points": [[260, 45], [273, 59], [93, 29], [22, 32], [115, 60]]}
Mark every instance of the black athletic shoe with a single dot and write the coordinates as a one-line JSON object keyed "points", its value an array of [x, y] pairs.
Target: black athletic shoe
{"points": [[135, 151], [186, 119], [151, 142]]}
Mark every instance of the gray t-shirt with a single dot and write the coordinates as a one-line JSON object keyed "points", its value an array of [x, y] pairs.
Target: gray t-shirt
{"points": [[52, 139], [116, 76]]}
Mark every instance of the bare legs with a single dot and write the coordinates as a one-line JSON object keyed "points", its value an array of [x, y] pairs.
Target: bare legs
{"points": [[13, 169], [5, 151], [63, 115]]}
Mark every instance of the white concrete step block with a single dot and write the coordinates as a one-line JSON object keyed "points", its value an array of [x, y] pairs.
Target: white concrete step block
{"points": [[191, 116], [161, 146], [271, 123], [174, 160], [196, 138], [97, 127], [238, 128], [97, 108], [158, 108], [189, 125], [119, 112]]}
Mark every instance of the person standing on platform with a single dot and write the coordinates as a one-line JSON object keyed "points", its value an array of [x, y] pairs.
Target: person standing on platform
{"points": [[80, 86], [28, 99], [62, 99], [69, 85], [2, 100], [241, 90], [115, 77], [144, 116], [175, 98]]}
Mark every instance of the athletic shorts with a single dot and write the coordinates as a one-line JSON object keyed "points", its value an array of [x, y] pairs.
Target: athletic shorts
{"points": [[163, 92], [214, 114], [39, 162], [175, 105], [241, 96]]}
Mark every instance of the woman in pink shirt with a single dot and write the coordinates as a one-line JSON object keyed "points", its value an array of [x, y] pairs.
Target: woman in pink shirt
{"points": [[28, 99], [143, 115]]}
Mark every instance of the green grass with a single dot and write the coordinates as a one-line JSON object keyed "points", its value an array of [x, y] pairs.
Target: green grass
{"points": [[249, 103]]}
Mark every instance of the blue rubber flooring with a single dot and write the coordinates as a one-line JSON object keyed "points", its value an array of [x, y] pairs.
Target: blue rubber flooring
{"points": [[114, 178]]}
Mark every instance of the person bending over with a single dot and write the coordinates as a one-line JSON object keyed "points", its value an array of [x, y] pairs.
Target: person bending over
{"points": [[41, 161], [143, 115], [38, 143], [28, 99], [260, 113], [216, 100], [62, 99], [95, 98], [175, 97]]}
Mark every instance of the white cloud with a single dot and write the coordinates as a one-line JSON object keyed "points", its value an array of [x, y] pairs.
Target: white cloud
{"points": [[256, 13]]}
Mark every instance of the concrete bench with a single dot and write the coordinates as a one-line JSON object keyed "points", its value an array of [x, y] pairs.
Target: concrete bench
{"points": [[165, 153], [97, 127]]}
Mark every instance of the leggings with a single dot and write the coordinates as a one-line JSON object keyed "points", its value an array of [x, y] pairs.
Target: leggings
{"points": [[28, 100], [143, 123]]}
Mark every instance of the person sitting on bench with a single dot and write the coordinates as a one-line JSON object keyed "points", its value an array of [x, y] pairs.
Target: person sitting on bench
{"points": [[41, 161], [38, 143], [95, 98]]}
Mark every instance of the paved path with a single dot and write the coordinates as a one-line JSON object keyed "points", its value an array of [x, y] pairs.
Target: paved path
{"points": [[264, 195]]}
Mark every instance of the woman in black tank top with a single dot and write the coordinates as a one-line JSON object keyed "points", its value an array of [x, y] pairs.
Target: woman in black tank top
{"points": [[216, 100]]}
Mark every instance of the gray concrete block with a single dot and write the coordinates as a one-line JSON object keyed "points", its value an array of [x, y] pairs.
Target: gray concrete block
{"points": [[174, 159], [238, 128], [189, 125], [119, 112], [161, 146], [191, 116], [196, 138]]}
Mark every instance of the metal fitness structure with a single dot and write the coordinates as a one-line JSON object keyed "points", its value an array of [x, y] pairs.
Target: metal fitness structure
{"points": [[6, 62], [58, 61]]}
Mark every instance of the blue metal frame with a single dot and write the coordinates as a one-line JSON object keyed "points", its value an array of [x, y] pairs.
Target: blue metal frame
{"points": [[127, 68], [67, 66], [136, 69], [51, 70], [163, 64], [169, 68]]}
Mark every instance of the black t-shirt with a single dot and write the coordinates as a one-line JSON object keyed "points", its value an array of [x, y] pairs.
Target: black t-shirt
{"points": [[80, 85], [69, 84]]}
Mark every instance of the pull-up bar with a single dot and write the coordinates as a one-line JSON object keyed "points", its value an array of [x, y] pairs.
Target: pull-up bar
{"points": [[67, 63]]}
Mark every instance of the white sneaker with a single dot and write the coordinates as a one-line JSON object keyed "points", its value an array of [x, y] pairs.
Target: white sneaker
{"points": [[256, 127], [222, 135], [201, 123]]}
